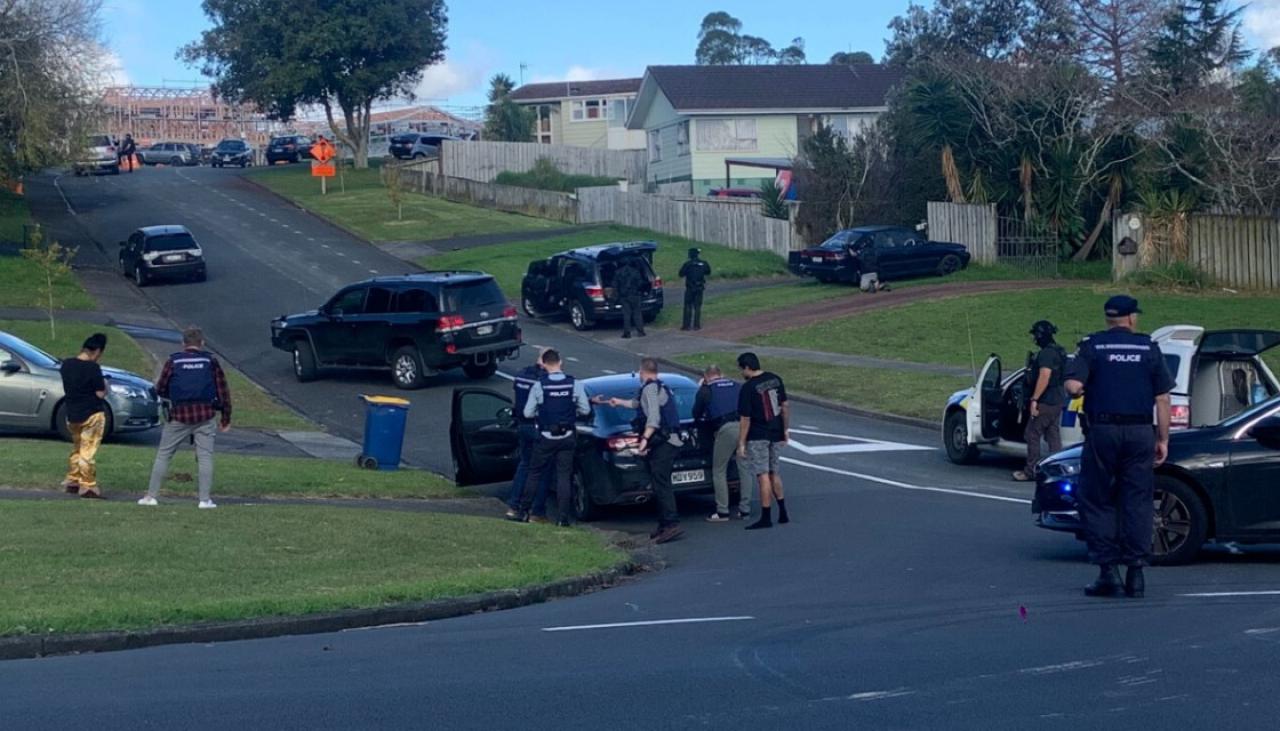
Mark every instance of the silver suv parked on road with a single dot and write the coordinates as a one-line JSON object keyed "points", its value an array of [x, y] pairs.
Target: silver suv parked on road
{"points": [[166, 153], [98, 155]]}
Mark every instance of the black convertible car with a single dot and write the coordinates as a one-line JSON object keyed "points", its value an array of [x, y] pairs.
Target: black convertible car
{"points": [[901, 252], [607, 469], [1221, 483]]}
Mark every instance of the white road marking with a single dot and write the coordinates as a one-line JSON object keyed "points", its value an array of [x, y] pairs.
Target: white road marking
{"points": [[353, 261], [870, 445], [386, 626], [606, 370], [58, 186], [311, 239], [649, 623], [1233, 593], [373, 271], [878, 695], [1065, 667], [572, 359], [324, 246], [904, 485], [500, 374], [1262, 631]]}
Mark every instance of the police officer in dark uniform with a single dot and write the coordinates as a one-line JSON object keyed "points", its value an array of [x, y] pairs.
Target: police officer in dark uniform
{"points": [[630, 282], [527, 437], [1123, 376], [715, 408], [555, 403], [695, 273]]}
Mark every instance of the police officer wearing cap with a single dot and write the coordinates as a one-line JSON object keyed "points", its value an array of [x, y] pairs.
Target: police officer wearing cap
{"points": [[695, 272], [555, 402], [1123, 376]]}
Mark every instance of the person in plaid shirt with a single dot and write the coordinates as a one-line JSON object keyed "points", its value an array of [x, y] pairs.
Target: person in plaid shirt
{"points": [[195, 387]]}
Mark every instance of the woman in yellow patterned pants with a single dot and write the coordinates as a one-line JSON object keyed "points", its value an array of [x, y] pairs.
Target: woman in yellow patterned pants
{"points": [[86, 437]]}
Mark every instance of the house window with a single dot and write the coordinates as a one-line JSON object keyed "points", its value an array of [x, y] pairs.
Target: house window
{"points": [[542, 125], [727, 135], [618, 111], [682, 138], [655, 145], [842, 125], [587, 110]]}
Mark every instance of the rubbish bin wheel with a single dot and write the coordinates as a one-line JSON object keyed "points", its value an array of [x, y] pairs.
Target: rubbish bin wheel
{"points": [[368, 463]]}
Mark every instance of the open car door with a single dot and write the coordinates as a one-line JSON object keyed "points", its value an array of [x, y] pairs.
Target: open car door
{"points": [[482, 437], [983, 410]]}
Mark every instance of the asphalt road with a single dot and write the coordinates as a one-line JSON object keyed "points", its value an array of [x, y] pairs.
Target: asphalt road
{"points": [[907, 593]]}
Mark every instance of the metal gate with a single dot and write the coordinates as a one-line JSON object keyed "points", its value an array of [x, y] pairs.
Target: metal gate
{"points": [[1032, 246]]}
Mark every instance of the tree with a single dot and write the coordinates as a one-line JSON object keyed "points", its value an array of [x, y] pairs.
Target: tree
{"points": [[504, 120], [829, 178], [342, 55], [989, 29], [848, 58], [939, 120], [1113, 33], [1195, 43], [53, 261], [792, 54], [49, 72], [721, 42]]}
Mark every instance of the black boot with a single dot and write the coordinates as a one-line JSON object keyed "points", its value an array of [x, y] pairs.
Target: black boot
{"points": [[1135, 584], [782, 512], [766, 519], [1107, 583]]}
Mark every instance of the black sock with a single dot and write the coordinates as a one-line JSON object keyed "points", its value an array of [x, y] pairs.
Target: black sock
{"points": [[782, 511], [766, 519]]}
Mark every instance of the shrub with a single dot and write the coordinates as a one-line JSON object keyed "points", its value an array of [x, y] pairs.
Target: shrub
{"points": [[546, 176], [772, 204], [1178, 275]]}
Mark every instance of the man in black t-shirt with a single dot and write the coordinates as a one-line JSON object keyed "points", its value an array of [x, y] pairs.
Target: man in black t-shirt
{"points": [[84, 388], [764, 420], [1048, 398]]}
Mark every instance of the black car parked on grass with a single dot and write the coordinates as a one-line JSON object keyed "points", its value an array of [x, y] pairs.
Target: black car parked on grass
{"points": [[1220, 483], [415, 326], [607, 469], [162, 252], [901, 253], [231, 152], [288, 148], [579, 283]]}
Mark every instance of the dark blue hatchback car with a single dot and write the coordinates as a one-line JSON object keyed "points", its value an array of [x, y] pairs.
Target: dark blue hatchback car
{"points": [[902, 253]]}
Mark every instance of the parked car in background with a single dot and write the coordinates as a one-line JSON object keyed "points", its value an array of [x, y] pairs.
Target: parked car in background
{"points": [[1217, 374], [417, 145], [734, 193], [1219, 483], [197, 153], [902, 253], [416, 326], [162, 252], [98, 155], [607, 468], [165, 153], [579, 283], [288, 148], [231, 152], [31, 393]]}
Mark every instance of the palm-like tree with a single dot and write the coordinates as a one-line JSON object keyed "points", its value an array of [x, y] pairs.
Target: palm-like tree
{"points": [[939, 119]]}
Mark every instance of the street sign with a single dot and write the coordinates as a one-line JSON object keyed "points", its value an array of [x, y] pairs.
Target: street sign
{"points": [[323, 169], [323, 150]]}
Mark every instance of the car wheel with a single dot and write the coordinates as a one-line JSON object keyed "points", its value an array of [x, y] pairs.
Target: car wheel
{"points": [[1181, 523], [527, 305], [202, 276], [139, 276], [584, 508], [406, 368], [949, 265], [578, 316], [478, 372], [243, 165], [115, 170], [175, 161], [216, 165], [304, 361], [60, 422], [418, 156], [955, 437], [649, 317]]}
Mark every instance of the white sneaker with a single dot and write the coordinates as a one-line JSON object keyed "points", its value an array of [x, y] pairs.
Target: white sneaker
{"points": [[148, 501], [207, 505]]}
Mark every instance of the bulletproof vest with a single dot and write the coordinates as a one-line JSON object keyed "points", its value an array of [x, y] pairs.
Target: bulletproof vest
{"points": [[523, 384], [191, 378], [557, 412], [668, 413], [695, 275], [724, 399], [1121, 365]]}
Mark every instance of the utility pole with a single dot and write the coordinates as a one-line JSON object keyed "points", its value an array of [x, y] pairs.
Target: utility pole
{"points": [[523, 67]]}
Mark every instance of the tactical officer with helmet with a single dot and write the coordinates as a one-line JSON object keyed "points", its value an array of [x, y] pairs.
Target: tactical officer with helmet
{"points": [[660, 442], [555, 402], [630, 283], [695, 272], [1044, 417], [1123, 376]]}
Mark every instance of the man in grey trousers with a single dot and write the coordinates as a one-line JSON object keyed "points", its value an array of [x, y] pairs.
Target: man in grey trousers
{"points": [[196, 388], [715, 408]]}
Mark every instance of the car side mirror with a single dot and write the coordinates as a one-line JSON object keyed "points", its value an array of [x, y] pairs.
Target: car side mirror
{"points": [[1267, 432], [10, 366], [506, 416]]}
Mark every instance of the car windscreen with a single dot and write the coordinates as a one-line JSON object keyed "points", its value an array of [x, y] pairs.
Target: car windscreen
{"points": [[1251, 413], [611, 419], [836, 242], [30, 353], [469, 296], [231, 146], [98, 141], [404, 138], [171, 242]]}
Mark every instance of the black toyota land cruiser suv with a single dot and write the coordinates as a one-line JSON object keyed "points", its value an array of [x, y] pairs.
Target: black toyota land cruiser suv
{"points": [[579, 283], [415, 326]]}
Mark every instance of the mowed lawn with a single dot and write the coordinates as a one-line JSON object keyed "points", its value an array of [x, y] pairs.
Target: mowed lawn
{"points": [[75, 566], [123, 472], [366, 209], [509, 262], [962, 330]]}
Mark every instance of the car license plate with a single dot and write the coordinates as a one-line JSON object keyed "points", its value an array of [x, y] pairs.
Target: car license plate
{"points": [[816, 259], [173, 257], [688, 476], [484, 330]]}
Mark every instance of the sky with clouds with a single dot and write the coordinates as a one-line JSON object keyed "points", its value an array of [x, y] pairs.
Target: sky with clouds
{"points": [[568, 40]]}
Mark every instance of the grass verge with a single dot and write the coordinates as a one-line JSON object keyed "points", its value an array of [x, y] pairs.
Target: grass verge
{"points": [[508, 262], [905, 393], [41, 463], [13, 213], [940, 331], [365, 208], [177, 565]]}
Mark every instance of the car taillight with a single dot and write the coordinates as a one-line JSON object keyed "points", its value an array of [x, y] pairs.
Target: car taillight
{"points": [[509, 313], [623, 444], [657, 282], [451, 348], [1180, 417], [448, 323], [595, 293]]}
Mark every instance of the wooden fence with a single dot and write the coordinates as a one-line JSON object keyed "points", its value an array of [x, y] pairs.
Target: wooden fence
{"points": [[422, 178], [1237, 251], [970, 224], [483, 161]]}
